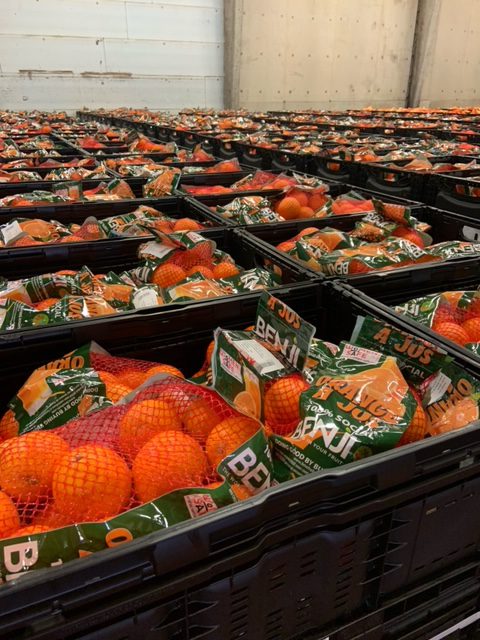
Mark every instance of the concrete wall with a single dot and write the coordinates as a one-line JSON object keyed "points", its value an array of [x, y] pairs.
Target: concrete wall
{"points": [[65, 54], [447, 61], [323, 53], [330, 54]]}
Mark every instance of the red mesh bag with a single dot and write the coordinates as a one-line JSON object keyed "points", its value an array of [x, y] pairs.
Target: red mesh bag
{"points": [[171, 435]]}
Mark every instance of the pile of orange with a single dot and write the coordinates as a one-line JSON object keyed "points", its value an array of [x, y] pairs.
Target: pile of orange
{"points": [[300, 203], [462, 333], [169, 442], [168, 274]]}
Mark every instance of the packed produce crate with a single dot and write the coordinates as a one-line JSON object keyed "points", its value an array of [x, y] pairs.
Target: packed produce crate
{"points": [[199, 428], [394, 237], [200, 424]]}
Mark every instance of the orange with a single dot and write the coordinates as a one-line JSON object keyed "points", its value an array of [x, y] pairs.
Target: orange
{"points": [[114, 389], [456, 416], [288, 245], [170, 460], [241, 492], [45, 304], [8, 425], [50, 517], [145, 419], [472, 327], [91, 482], [9, 520], [228, 435], [300, 196], [357, 266], [305, 212], [418, 427], [33, 529], [453, 332], [187, 224], [409, 234], [316, 201], [166, 275], [205, 271], [288, 208], [27, 464], [308, 231], [209, 353], [131, 378], [164, 368], [199, 419], [225, 269], [282, 410]]}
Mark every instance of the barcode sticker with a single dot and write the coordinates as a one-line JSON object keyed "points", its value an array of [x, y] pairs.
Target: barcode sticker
{"points": [[10, 231], [438, 387], [155, 249], [263, 360]]}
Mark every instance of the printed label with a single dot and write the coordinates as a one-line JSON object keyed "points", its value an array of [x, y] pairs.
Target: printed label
{"points": [[199, 504], [360, 354], [10, 231], [155, 249], [263, 360], [230, 366]]}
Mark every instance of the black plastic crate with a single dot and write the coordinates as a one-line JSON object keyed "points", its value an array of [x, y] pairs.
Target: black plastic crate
{"points": [[403, 286], [296, 561], [421, 186], [444, 226], [63, 158], [458, 194], [209, 203], [447, 607], [12, 188], [340, 170], [120, 255], [78, 211]]}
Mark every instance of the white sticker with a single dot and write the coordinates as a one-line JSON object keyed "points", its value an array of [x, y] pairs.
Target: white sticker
{"points": [[155, 249], [438, 387], [145, 297], [360, 354], [263, 360], [196, 237], [10, 231]]}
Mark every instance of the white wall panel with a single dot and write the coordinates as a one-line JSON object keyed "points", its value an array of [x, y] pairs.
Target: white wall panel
{"points": [[149, 57], [174, 22], [64, 18], [50, 54], [73, 93], [65, 54]]}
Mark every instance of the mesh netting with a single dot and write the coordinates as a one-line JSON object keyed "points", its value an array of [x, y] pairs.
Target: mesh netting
{"points": [[170, 435], [282, 409]]}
